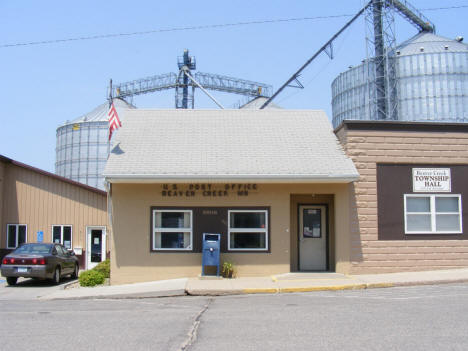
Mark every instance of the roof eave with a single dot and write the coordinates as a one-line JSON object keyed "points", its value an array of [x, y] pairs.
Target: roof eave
{"points": [[216, 178]]}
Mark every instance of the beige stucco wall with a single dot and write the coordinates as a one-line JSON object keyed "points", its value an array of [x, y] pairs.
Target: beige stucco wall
{"points": [[40, 201], [366, 148], [132, 261]]}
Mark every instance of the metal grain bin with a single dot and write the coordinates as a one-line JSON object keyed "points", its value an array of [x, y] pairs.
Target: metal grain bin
{"points": [[82, 146], [432, 83], [351, 93]]}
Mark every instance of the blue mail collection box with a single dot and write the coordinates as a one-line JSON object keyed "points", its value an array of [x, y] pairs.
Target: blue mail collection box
{"points": [[211, 248]]}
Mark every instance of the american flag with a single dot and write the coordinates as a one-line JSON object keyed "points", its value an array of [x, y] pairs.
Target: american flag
{"points": [[114, 121]]}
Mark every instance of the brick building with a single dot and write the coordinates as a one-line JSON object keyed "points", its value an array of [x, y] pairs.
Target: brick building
{"points": [[396, 223]]}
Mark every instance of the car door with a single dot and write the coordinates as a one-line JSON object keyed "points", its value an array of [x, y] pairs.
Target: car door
{"points": [[70, 261], [62, 259]]}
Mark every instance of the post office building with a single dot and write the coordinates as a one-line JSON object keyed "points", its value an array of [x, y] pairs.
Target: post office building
{"points": [[275, 184]]}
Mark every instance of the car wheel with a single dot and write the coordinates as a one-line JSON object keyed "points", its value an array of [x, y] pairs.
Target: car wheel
{"points": [[74, 275], [12, 280], [56, 276]]}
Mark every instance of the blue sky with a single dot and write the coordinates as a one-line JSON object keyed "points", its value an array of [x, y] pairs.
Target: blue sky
{"points": [[43, 86]]}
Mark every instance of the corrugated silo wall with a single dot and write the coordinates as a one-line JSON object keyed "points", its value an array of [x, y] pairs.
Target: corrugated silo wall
{"points": [[433, 87], [81, 152], [430, 87], [351, 94]]}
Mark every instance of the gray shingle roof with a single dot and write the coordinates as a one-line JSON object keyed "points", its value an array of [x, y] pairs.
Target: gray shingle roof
{"points": [[265, 145]]}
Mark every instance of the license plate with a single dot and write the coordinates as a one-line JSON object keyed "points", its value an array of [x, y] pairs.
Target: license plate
{"points": [[22, 270]]}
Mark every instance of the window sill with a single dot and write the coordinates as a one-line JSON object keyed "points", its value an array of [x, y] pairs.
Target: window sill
{"points": [[172, 250], [434, 233], [248, 250]]}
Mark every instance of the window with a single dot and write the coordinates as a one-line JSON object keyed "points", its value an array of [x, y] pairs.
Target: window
{"points": [[172, 230], [62, 234], [16, 235], [430, 214], [248, 230], [60, 250]]}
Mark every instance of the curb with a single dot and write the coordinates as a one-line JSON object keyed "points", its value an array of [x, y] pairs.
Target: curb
{"points": [[324, 288], [69, 285], [249, 291], [190, 292], [147, 295], [261, 291], [361, 286], [431, 282]]}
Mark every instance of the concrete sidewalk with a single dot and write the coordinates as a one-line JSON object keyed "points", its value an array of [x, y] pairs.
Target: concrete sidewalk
{"points": [[163, 288], [284, 283]]}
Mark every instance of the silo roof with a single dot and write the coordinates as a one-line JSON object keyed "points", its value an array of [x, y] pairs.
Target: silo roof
{"points": [[430, 43], [99, 114]]}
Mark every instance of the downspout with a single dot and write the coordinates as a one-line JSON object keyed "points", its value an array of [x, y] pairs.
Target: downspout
{"points": [[108, 187]]}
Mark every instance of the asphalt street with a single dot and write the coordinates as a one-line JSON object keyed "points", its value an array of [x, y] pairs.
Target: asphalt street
{"points": [[405, 318]]}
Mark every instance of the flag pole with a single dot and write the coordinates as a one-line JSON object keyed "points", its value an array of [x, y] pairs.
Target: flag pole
{"points": [[108, 129], [108, 184]]}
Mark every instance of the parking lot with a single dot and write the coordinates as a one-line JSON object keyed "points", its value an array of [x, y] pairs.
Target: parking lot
{"points": [[28, 289]]}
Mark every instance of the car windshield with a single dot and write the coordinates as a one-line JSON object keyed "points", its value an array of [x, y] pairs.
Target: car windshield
{"points": [[33, 249]]}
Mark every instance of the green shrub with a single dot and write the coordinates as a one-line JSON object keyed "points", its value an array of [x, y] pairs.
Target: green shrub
{"points": [[104, 268], [91, 278], [228, 269]]}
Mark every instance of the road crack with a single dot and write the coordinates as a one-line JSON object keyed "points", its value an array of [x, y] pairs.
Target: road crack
{"points": [[193, 332]]}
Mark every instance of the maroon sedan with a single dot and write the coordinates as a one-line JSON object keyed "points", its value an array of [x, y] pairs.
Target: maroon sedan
{"points": [[41, 261]]}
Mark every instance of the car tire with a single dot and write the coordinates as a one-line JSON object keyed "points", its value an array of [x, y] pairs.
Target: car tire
{"points": [[12, 280], [56, 276], [74, 275]]}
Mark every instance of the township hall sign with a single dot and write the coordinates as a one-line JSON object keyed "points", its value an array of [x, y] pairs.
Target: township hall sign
{"points": [[432, 180]]}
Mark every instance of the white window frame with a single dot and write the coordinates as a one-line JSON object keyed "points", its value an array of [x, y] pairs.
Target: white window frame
{"points": [[172, 230], [247, 230], [61, 234], [16, 241], [433, 213]]}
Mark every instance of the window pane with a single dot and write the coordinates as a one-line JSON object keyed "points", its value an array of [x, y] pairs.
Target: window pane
{"points": [[449, 223], [248, 241], [59, 250], [56, 235], [418, 204], [446, 204], [247, 220], [67, 237], [312, 221], [418, 223], [21, 234], [11, 236], [172, 240], [172, 220]]}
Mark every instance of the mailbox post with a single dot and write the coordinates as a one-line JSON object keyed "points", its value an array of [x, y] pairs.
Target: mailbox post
{"points": [[211, 248]]}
